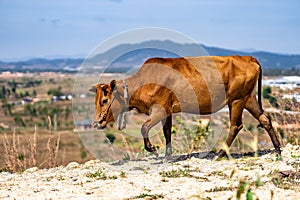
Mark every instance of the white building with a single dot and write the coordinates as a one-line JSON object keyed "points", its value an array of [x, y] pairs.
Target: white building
{"points": [[295, 96], [284, 82]]}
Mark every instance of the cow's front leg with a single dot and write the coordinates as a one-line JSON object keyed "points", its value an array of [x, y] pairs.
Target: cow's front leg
{"points": [[167, 126], [157, 114], [147, 144]]}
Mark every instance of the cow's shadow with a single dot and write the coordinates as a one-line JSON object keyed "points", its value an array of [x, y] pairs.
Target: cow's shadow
{"points": [[209, 155]]}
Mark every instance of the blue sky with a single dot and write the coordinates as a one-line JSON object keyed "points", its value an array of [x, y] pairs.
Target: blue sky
{"points": [[49, 28]]}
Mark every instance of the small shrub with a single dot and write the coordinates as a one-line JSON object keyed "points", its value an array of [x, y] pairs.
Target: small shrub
{"points": [[126, 157], [123, 174], [99, 174], [249, 194], [194, 135], [20, 156], [19, 121], [148, 196], [111, 137], [175, 173], [241, 189], [258, 181], [250, 127], [83, 154], [55, 92], [267, 91], [220, 188]]}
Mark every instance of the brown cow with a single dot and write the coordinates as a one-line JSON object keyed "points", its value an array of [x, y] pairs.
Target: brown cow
{"points": [[198, 85]]}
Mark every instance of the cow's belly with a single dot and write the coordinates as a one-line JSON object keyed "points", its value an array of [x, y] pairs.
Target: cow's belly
{"points": [[203, 106], [201, 92]]}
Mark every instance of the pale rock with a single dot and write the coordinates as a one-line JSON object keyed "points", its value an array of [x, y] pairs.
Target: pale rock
{"points": [[31, 170], [72, 165], [92, 163]]}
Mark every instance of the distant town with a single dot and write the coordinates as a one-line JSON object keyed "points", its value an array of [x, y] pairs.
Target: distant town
{"points": [[287, 84]]}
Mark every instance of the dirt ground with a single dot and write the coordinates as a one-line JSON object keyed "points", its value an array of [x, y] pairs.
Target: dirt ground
{"points": [[266, 176]]}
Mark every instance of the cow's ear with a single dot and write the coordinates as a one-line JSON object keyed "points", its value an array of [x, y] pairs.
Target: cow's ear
{"points": [[93, 88], [103, 88], [113, 84]]}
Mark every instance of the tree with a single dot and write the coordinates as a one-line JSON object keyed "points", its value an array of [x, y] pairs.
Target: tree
{"points": [[12, 84], [3, 92], [13, 89], [34, 93], [19, 121], [55, 92], [26, 93], [67, 113], [7, 108], [30, 110]]}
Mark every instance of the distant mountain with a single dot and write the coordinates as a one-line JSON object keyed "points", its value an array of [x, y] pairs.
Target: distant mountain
{"points": [[41, 64], [266, 59], [126, 56]]}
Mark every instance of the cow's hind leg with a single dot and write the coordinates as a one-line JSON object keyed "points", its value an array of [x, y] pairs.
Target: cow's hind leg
{"points": [[157, 114], [235, 112], [264, 119]]}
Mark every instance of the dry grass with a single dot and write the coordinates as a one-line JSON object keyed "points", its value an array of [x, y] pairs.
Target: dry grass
{"points": [[288, 124], [40, 148], [19, 157]]}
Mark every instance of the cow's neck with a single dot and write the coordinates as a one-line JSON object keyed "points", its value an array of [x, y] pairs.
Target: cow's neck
{"points": [[124, 90], [132, 85]]}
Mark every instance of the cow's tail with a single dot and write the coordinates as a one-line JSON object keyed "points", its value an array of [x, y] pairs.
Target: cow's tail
{"points": [[259, 82]]}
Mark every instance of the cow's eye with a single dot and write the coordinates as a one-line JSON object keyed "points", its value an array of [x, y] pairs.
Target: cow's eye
{"points": [[104, 101]]}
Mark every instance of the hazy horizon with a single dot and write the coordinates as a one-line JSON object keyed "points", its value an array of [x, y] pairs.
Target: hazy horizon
{"points": [[82, 56]]}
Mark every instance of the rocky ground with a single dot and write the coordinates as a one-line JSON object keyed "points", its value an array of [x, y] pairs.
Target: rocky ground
{"points": [[263, 177]]}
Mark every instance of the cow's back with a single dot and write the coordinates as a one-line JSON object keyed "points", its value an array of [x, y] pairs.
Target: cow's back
{"points": [[209, 66], [204, 81]]}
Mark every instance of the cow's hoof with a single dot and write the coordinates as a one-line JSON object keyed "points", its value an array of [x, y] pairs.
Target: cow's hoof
{"points": [[153, 150], [278, 151], [220, 155], [167, 158], [278, 154], [155, 153]]}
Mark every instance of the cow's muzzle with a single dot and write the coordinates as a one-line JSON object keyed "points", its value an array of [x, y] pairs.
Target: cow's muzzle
{"points": [[99, 124]]}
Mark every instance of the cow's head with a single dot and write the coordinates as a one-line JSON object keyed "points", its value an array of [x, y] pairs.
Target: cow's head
{"points": [[105, 99]]}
